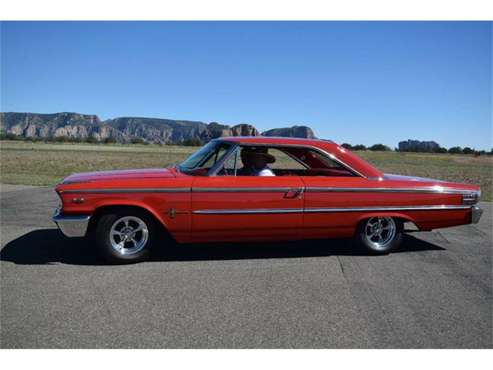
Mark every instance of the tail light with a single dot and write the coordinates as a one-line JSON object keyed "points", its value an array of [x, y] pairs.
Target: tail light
{"points": [[471, 198]]}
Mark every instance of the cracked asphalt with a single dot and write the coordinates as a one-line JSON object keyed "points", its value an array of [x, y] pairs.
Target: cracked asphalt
{"points": [[436, 292]]}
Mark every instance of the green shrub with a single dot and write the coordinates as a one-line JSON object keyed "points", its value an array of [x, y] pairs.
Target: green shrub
{"points": [[137, 140], [192, 142], [455, 150], [379, 148], [440, 150], [110, 140]]}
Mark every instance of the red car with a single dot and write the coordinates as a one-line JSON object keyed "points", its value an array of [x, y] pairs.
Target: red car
{"points": [[257, 188]]}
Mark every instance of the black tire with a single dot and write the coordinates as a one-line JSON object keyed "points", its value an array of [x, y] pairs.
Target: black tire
{"points": [[107, 243], [373, 245]]}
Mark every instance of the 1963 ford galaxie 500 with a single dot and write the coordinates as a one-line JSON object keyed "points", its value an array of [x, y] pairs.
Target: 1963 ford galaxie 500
{"points": [[257, 188]]}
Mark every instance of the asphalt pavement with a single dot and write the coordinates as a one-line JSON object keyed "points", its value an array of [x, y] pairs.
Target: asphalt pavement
{"points": [[435, 292]]}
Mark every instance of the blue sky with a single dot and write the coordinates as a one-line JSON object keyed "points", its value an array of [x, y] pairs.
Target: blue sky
{"points": [[357, 82]]}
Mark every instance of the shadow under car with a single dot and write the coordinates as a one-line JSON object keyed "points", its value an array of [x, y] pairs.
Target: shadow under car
{"points": [[49, 246]]}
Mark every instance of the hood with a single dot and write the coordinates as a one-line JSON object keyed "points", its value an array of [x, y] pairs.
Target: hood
{"points": [[118, 175]]}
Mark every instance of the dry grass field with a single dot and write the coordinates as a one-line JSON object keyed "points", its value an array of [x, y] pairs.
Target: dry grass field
{"points": [[47, 163]]}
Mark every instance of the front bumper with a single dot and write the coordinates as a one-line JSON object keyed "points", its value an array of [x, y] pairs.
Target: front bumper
{"points": [[73, 226], [476, 213]]}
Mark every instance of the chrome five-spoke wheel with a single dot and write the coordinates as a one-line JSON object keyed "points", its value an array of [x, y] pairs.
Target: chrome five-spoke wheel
{"points": [[380, 231], [128, 235], [380, 234]]}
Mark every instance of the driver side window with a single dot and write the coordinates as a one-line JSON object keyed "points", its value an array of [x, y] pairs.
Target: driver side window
{"points": [[218, 154], [231, 165]]}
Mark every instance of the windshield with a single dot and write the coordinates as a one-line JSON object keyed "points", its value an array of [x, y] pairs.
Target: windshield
{"points": [[206, 157]]}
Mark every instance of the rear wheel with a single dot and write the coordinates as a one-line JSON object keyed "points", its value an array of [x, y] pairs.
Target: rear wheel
{"points": [[380, 235], [126, 236]]}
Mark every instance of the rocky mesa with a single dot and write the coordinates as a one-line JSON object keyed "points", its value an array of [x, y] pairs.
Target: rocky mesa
{"points": [[125, 129]]}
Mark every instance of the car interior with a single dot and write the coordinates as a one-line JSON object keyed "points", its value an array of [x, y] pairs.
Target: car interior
{"points": [[287, 161]]}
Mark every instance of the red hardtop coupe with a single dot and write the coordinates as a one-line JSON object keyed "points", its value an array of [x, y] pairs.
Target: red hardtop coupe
{"points": [[257, 188]]}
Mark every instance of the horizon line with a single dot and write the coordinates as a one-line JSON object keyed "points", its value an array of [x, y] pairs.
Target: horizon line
{"points": [[233, 125]]}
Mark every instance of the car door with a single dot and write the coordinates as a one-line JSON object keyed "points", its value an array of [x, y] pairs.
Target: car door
{"points": [[240, 208]]}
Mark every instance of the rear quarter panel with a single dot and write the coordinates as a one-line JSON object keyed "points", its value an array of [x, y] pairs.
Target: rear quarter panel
{"points": [[344, 193]]}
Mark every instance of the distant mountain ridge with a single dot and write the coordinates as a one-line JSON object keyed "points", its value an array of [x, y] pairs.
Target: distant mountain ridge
{"points": [[125, 129], [294, 131]]}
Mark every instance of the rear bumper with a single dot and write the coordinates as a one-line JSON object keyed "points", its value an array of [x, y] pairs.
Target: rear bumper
{"points": [[476, 213], [72, 226]]}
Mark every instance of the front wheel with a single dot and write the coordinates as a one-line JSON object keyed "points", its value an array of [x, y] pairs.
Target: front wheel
{"points": [[379, 235], [125, 236]]}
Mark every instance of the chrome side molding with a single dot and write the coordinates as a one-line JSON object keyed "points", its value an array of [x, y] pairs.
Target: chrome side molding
{"points": [[387, 208], [433, 190], [124, 190], [247, 211], [259, 189], [329, 209], [244, 190]]}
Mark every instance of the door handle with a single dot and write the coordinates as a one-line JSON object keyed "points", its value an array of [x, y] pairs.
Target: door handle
{"points": [[293, 193]]}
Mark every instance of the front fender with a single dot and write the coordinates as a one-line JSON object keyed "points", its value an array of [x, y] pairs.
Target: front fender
{"points": [[132, 203]]}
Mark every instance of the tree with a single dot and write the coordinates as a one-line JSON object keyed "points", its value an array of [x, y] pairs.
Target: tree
{"points": [[347, 146], [467, 150], [110, 140], [59, 139], [441, 150], [379, 148], [137, 140], [455, 150], [359, 147], [10, 136], [192, 142]]}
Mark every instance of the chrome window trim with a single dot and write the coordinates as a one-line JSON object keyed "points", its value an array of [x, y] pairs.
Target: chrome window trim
{"points": [[317, 149], [236, 162], [329, 209]]}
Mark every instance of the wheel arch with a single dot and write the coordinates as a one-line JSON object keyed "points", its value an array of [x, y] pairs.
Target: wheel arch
{"points": [[108, 208], [397, 215]]}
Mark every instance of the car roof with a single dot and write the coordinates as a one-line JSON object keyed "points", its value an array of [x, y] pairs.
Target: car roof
{"points": [[274, 140]]}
